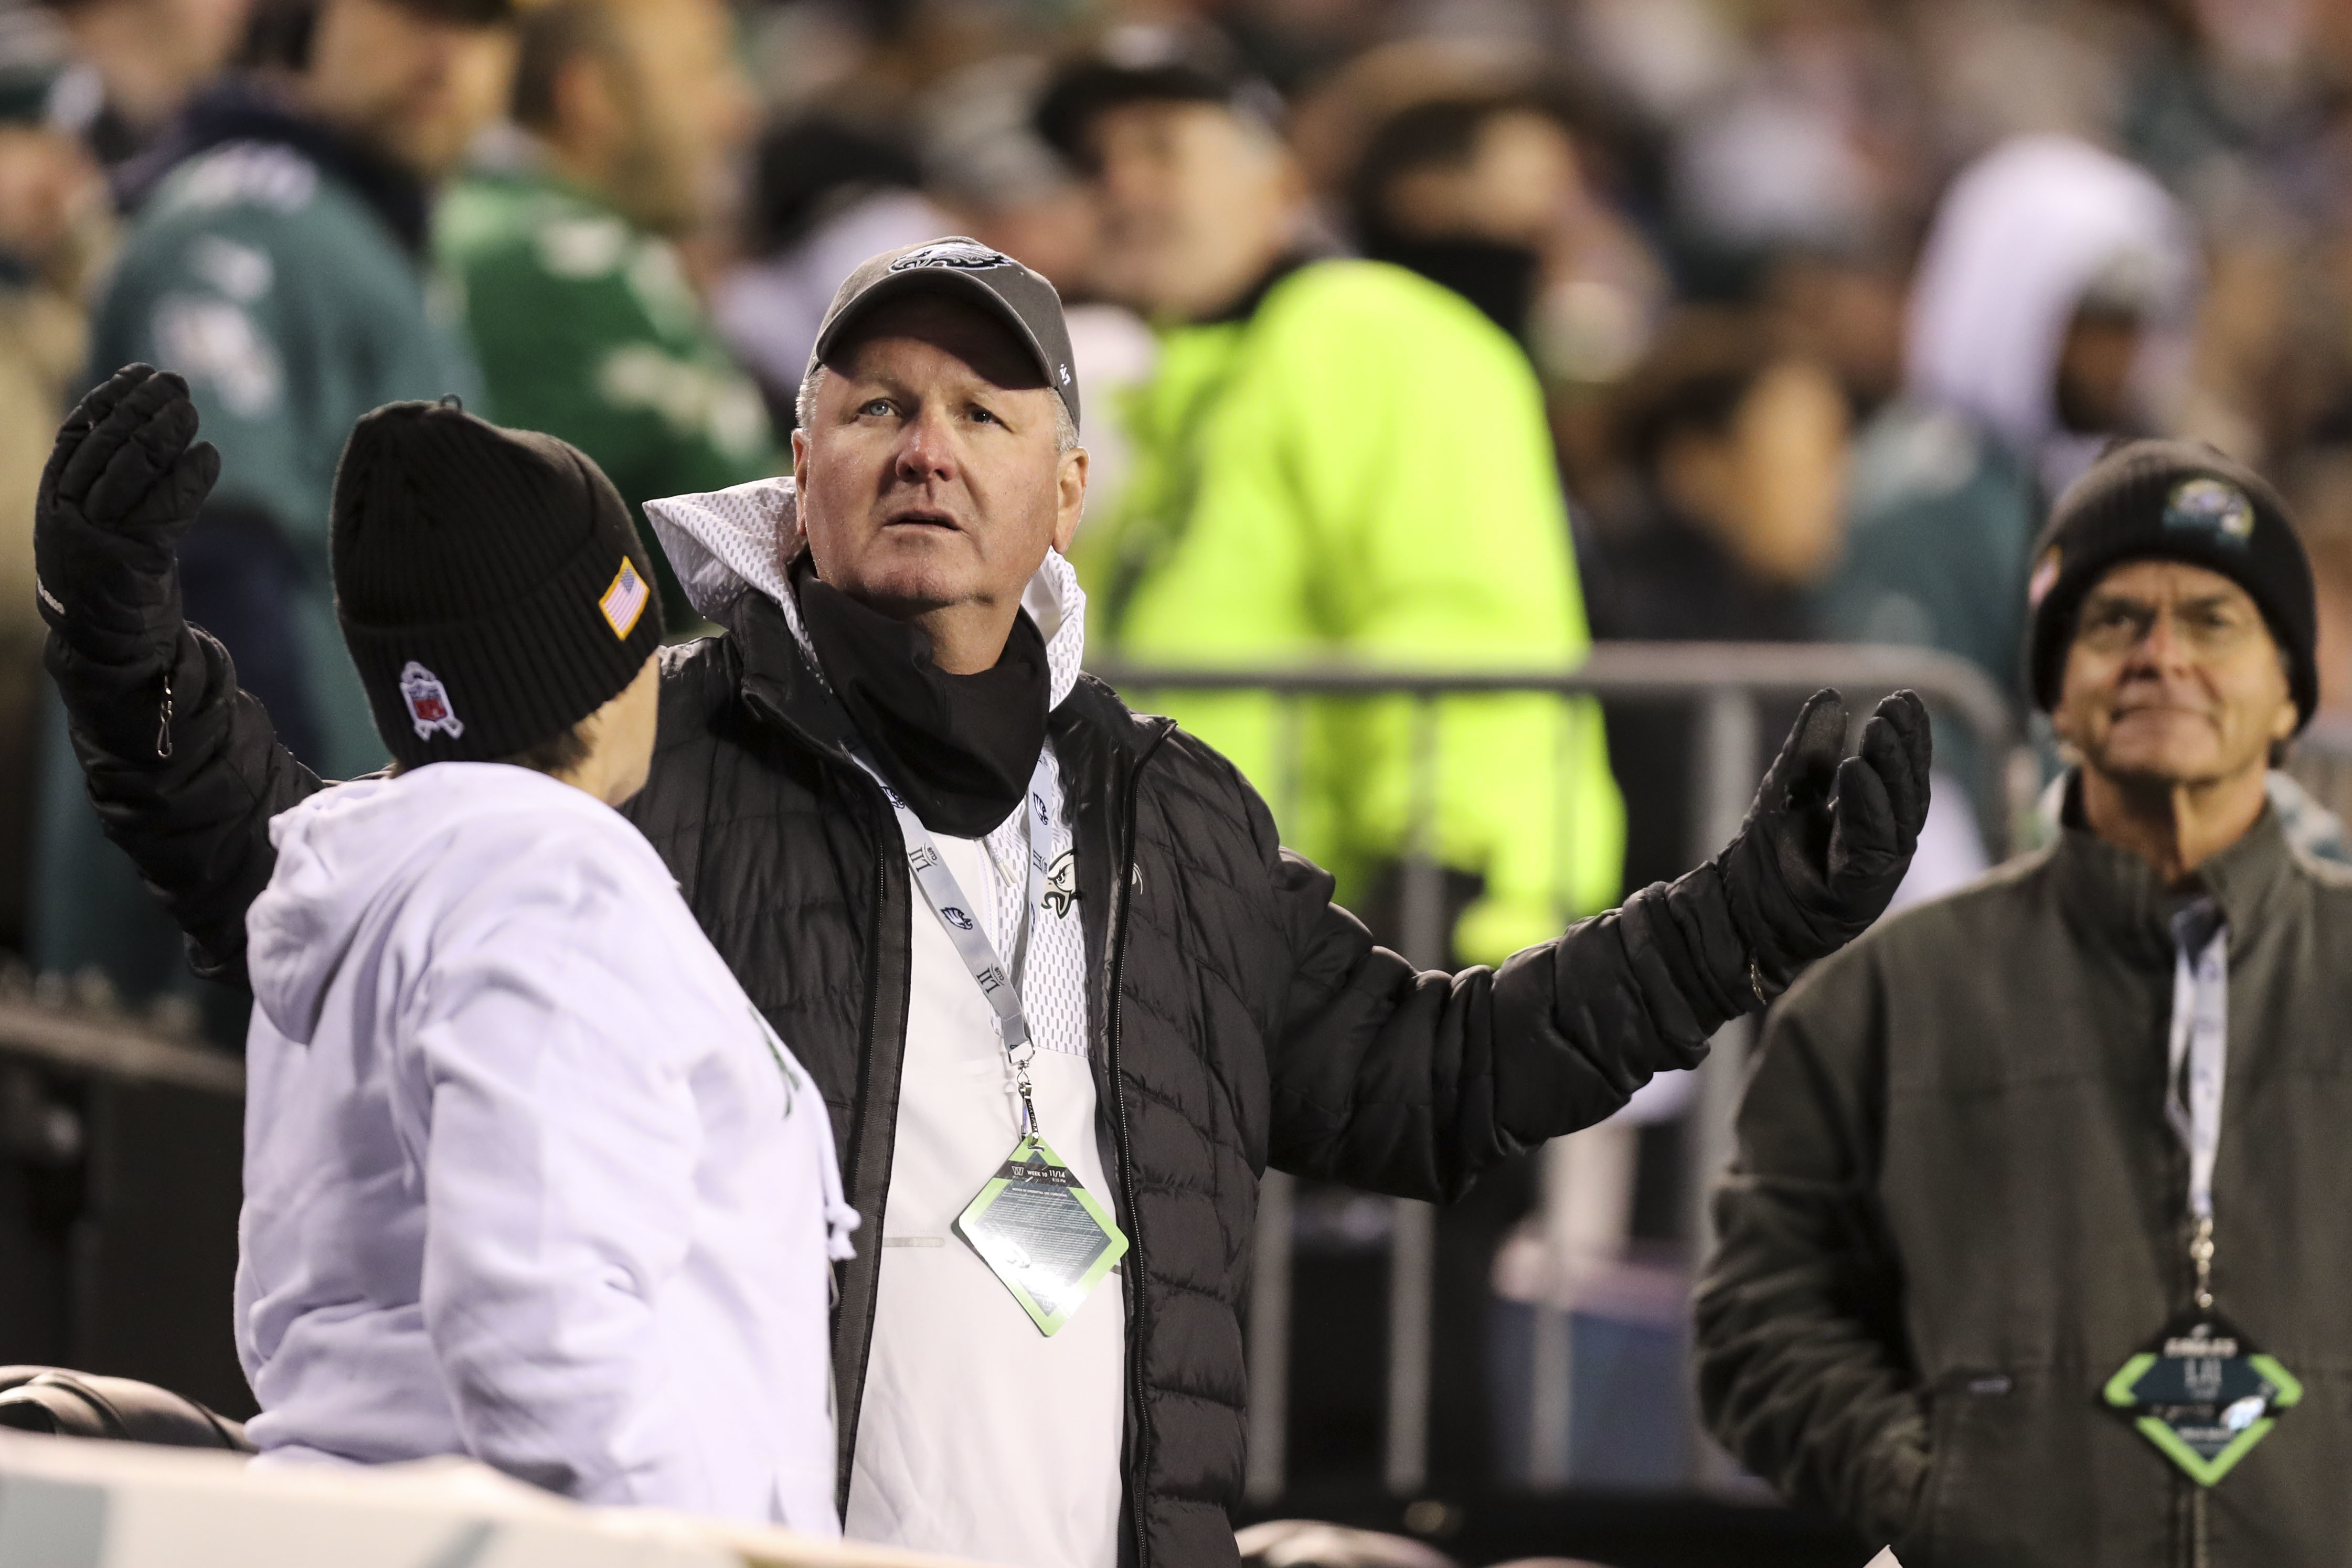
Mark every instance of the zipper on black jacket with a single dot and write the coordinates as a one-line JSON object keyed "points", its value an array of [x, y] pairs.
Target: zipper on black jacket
{"points": [[1123, 892], [845, 1417]]}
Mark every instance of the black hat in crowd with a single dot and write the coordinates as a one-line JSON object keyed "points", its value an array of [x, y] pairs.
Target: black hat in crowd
{"points": [[1149, 64], [491, 588], [2172, 500], [968, 270]]}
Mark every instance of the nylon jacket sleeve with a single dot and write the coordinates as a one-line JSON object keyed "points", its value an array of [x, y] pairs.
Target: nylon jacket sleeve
{"points": [[194, 820], [560, 1163], [1411, 1082], [1803, 1371]]}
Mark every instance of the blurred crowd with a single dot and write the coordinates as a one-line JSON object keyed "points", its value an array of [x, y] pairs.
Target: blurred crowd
{"points": [[1824, 299], [1695, 320]]}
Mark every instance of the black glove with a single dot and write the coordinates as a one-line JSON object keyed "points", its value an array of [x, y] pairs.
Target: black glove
{"points": [[1829, 836], [120, 487]]}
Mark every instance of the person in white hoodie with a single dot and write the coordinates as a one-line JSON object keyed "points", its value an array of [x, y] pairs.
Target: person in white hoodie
{"points": [[527, 1176]]}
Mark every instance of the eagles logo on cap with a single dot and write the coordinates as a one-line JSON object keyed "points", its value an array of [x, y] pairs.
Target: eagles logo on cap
{"points": [[965, 254], [2212, 506]]}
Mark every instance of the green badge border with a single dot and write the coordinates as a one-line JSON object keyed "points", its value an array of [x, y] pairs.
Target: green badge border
{"points": [[1047, 1322], [2121, 1393]]}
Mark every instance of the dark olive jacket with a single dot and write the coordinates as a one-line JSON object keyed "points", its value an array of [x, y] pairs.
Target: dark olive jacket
{"points": [[1957, 1208], [1239, 1020]]}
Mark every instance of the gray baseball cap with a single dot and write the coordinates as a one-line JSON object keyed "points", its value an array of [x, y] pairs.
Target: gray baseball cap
{"points": [[963, 270]]}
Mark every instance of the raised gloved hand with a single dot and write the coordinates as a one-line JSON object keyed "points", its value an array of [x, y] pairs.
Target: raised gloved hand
{"points": [[124, 481], [1828, 837]]}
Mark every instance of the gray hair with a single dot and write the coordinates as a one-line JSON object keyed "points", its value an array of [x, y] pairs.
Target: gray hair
{"points": [[1066, 431]]}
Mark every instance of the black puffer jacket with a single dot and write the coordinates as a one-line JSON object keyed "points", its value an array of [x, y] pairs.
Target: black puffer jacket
{"points": [[1239, 1018]]}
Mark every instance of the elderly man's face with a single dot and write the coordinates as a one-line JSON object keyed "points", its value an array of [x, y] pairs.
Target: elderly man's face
{"points": [[930, 486], [2173, 679]]}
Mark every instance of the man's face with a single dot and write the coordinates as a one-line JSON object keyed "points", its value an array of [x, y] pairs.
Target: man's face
{"points": [[2095, 361], [1517, 186], [416, 87], [1771, 485], [928, 472], [684, 106], [2172, 679], [1196, 204], [152, 53]]}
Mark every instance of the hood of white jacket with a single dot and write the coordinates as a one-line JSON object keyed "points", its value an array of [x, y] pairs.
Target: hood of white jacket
{"points": [[343, 852], [2022, 236], [727, 543]]}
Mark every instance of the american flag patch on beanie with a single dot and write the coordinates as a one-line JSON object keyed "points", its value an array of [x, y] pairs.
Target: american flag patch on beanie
{"points": [[625, 599]]}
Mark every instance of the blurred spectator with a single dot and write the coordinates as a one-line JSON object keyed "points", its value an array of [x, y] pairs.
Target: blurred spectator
{"points": [[998, 181], [987, 167], [1497, 194], [575, 296], [1335, 458], [1467, 192], [277, 262], [1736, 438], [2320, 489], [1848, 304], [138, 62], [53, 224], [825, 196], [1808, 145], [2046, 304]]}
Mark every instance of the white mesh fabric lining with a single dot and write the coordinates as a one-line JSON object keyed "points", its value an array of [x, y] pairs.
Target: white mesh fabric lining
{"points": [[725, 543]]}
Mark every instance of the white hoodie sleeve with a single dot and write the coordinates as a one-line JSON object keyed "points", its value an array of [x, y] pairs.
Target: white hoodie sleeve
{"points": [[559, 1147]]}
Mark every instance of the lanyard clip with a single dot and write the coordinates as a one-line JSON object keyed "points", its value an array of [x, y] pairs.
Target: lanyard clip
{"points": [[1028, 1106]]}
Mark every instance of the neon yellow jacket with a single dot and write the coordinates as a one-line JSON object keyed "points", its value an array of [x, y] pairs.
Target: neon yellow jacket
{"points": [[1360, 469]]}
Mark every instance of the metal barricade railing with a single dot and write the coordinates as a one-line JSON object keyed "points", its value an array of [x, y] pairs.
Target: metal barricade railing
{"points": [[1724, 683], [121, 1149]]}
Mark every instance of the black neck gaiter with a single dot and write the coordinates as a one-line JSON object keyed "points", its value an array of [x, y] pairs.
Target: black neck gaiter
{"points": [[958, 747]]}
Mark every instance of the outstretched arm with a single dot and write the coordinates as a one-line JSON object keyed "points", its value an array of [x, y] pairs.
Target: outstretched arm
{"points": [[1413, 1083], [183, 769]]}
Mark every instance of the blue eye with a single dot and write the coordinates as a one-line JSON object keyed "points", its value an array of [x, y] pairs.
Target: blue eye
{"points": [[877, 408]]}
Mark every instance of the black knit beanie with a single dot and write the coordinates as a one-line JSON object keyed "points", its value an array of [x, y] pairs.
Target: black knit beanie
{"points": [[2172, 500], [490, 586]]}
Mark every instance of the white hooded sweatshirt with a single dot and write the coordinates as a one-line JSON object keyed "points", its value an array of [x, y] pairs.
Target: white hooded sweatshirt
{"points": [[526, 1176], [2022, 236]]}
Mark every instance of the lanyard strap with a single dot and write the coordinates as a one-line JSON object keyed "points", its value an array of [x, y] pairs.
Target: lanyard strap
{"points": [[998, 982], [2195, 1065]]}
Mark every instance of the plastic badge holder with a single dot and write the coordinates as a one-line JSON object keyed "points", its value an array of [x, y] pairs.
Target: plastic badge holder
{"points": [[1042, 1233]]}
